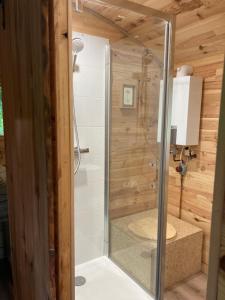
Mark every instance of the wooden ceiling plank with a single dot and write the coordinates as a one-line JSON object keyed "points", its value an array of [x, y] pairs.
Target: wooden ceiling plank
{"points": [[199, 14], [116, 26], [86, 23]]}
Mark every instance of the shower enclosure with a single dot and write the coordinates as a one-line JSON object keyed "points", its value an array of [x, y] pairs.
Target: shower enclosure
{"points": [[122, 87]]}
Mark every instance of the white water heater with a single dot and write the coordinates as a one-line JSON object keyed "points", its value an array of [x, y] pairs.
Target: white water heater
{"points": [[186, 110]]}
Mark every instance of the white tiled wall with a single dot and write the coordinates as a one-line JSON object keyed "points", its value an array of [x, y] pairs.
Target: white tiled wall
{"points": [[89, 91]]}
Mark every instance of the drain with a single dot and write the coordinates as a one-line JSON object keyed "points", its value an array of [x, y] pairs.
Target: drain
{"points": [[80, 280]]}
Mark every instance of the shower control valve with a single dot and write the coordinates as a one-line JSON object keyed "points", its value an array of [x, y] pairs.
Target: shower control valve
{"points": [[182, 168]]}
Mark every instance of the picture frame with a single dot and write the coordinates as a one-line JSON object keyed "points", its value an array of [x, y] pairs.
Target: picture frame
{"points": [[129, 96]]}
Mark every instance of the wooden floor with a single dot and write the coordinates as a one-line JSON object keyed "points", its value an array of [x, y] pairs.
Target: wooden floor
{"points": [[191, 289]]}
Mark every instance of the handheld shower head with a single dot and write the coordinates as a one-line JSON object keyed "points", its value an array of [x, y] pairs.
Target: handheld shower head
{"points": [[77, 45]]}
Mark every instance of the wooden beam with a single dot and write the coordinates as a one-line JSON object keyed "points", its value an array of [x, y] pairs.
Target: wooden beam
{"points": [[216, 278], [89, 24], [116, 26], [62, 33]]}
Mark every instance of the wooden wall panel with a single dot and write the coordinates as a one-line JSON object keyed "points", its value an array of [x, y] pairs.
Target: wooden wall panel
{"points": [[133, 180], [201, 44], [24, 66], [35, 73]]}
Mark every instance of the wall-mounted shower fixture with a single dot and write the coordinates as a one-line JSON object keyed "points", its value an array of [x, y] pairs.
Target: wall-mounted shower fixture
{"points": [[77, 46], [82, 150], [147, 56]]}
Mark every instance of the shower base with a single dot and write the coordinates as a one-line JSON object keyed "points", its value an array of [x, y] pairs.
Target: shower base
{"points": [[104, 280], [137, 256]]}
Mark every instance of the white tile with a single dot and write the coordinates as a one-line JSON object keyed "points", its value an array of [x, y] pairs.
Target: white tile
{"points": [[89, 96], [93, 53], [105, 281], [90, 223], [92, 165], [92, 248], [89, 82], [90, 195], [90, 111], [94, 139], [88, 174]]}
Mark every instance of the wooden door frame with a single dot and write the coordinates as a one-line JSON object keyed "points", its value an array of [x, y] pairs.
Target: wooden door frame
{"points": [[218, 218], [62, 63], [37, 103]]}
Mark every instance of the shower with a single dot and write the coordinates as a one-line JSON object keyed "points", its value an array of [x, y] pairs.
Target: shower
{"points": [[77, 46], [118, 186]]}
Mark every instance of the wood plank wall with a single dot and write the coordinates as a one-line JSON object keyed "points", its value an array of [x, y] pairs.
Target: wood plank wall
{"points": [[133, 155], [195, 47], [199, 181], [23, 67]]}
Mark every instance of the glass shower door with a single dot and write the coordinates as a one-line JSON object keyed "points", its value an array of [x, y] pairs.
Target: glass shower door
{"points": [[138, 138]]}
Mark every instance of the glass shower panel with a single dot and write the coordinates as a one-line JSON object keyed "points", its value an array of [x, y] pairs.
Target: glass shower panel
{"points": [[137, 70], [124, 70]]}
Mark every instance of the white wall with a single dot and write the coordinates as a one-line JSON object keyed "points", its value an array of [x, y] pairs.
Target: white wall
{"points": [[89, 91]]}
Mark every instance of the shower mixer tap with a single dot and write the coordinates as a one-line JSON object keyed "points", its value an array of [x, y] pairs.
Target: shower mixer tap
{"points": [[82, 150]]}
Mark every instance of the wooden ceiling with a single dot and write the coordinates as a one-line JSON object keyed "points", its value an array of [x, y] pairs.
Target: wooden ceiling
{"points": [[139, 28], [200, 25], [200, 28], [178, 6], [192, 10]]}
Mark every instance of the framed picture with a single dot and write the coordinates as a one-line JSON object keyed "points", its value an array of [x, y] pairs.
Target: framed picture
{"points": [[129, 92]]}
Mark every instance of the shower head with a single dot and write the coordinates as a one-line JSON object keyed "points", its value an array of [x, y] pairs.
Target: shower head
{"points": [[77, 45]]}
